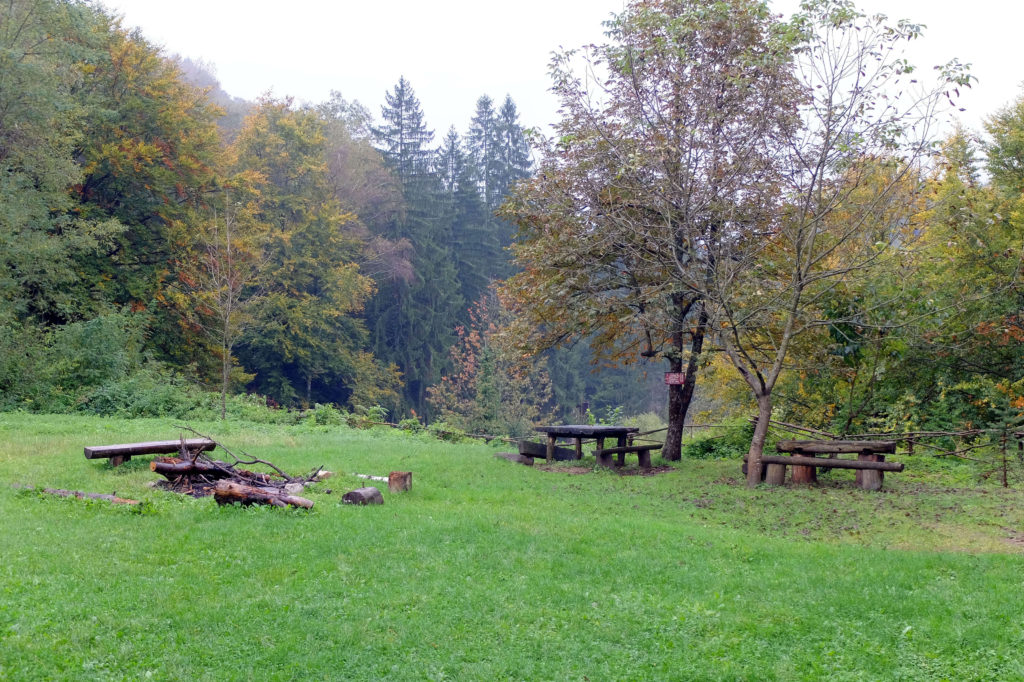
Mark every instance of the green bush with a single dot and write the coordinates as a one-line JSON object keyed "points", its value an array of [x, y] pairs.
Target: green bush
{"points": [[733, 442], [327, 415], [442, 430]]}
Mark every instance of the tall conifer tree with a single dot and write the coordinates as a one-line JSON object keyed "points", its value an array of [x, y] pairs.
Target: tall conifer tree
{"points": [[412, 322]]}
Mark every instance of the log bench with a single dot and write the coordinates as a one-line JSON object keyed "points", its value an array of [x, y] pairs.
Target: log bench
{"points": [[119, 454], [528, 448], [870, 463], [643, 454]]}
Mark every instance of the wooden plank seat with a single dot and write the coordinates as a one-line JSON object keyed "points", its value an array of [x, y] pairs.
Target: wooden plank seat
{"points": [[119, 454], [528, 448], [643, 454], [870, 463]]}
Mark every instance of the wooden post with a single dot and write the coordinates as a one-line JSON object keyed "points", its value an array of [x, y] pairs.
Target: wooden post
{"points": [[803, 475], [870, 479], [400, 481], [551, 448], [579, 447], [776, 474], [621, 442], [118, 460]]}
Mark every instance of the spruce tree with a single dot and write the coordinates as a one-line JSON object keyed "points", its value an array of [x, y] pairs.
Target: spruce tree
{"points": [[412, 322], [474, 245], [483, 148]]}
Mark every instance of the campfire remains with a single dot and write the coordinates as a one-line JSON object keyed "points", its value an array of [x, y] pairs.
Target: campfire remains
{"points": [[194, 473]]}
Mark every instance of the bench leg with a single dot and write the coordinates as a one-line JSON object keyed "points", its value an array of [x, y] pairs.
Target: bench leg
{"points": [[603, 459], [803, 474], [644, 458], [869, 479], [776, 474], [118, 460]]}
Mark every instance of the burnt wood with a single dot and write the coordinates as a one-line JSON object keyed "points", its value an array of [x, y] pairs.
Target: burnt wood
{"points": [[228, 492], [363, 496], [172, 467]]}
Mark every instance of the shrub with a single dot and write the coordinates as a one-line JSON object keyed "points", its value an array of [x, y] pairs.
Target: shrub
{"points": [[734, 442]]}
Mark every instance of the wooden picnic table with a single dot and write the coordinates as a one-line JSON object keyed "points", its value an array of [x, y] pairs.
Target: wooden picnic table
{"points": [[577, 432]]}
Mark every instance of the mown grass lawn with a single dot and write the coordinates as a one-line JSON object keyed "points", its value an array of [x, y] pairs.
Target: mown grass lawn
{"points": [[488, 570]]}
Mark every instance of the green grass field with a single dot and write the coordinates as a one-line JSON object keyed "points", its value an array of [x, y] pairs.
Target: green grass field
{"points": [[488, 570]]}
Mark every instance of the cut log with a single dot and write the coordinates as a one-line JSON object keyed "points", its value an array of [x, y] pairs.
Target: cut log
{"points": [[775, 474], [836, 446], [515, 457], [128, 450], [228, 492], [831, 463], [400, 481], [870, 479], [804, 475], [172, 467], [363, 496], [531, 449]]}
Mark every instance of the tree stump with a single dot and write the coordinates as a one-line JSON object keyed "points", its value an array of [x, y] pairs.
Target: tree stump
{"points": [[775, 474], [803, 475], [399, 481], [870, 479], [363, 496]]}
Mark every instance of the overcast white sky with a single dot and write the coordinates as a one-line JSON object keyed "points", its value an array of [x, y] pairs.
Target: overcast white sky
{"points": [[452, 51]]}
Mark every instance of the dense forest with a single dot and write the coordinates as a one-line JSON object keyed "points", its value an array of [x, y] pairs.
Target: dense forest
{"points": [[157, 231], [162, 242]]}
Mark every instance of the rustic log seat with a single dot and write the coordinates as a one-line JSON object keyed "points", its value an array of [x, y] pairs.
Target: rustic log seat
{"points": [[528, 448], [870, 463], [643, 454], [119, 454]]}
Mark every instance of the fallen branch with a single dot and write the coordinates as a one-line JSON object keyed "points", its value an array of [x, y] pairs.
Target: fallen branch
{"points": [[81, 495]]}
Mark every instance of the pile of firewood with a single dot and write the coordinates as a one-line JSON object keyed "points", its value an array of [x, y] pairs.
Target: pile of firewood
{"points": [[194, 473]]}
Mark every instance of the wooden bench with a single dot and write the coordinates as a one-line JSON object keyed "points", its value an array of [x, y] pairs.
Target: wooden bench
{"points": [[527, 448], [643, 454], [119, 454], [870, 463]]}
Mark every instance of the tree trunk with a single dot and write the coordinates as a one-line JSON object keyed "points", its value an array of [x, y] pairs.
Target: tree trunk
{"points": [[225, 378], [680, 397], [228, 492], [764, 415], [673, 451]]}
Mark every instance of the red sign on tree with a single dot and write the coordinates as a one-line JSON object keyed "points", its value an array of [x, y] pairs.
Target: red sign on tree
{"points": [[675, 378]]}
